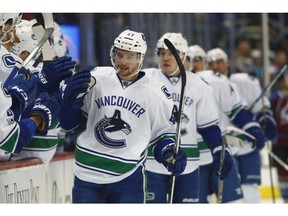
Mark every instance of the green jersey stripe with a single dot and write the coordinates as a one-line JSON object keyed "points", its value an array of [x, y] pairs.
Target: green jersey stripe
{"points": [[43, 142], [10, 142], [102, 162]]}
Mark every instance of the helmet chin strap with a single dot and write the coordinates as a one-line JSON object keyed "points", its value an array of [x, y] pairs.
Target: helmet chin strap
{"points": [[172, 74], [130, 75]]}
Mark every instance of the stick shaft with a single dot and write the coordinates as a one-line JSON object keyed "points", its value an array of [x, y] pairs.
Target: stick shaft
{"points": [[180, 110], [220, 181], [276, 158]]}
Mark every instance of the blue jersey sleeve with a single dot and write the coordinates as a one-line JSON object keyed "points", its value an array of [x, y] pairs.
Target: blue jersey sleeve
{"points": [[27, 131], [211, 136]]}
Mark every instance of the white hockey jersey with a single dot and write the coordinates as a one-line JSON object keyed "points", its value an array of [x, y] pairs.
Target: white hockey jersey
{"points": [[121, 122], [9, 129], [7, 63], [228, 104], [199, 111], [249, 89]]}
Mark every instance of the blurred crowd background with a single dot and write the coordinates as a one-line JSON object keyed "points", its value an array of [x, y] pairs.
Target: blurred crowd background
{"points": [[240, 35]]}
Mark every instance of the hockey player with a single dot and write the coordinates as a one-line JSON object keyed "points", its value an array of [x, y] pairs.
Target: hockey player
{"points": [[123, 113], [196, 59], [249, 89], [198, 97], [42, 146], [231, 107], [49, 77]]}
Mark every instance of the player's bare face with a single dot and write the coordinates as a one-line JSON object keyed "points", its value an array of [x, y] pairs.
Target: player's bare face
{"points": [[167, 62], [198, 64], [127, 64], [219, 66]]}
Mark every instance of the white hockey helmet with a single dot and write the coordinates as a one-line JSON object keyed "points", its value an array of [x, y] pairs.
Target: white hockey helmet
{"points": [[26, 36], [196, 51], [177, 40], [4, 18], [216, 54], [130, 41], [59, 46], [57, 31]]}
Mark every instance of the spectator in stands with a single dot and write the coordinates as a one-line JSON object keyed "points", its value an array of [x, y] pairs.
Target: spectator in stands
{"points": [[243, 60]]}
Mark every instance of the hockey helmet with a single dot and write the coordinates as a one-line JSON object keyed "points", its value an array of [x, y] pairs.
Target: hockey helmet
{"points": [[26, 36], [130, 41], [196, 51], [177, 40], [217, 54], [4, 18], [59, 46]]}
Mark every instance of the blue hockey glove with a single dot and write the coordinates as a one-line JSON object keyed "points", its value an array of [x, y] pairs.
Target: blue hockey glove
{"points": [[48, 108], [268, 124], [22, 88], [254, 129], [55, 71], [227, 162], [174, 163], [76, 88]]}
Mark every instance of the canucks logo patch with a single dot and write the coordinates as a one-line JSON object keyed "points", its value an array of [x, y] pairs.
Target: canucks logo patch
{"points": [[166, 92], [115, 127], [10, 117], [5, 91], [8, 60]]}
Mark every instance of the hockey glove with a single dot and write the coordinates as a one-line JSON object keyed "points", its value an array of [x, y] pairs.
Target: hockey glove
{"points": [[76, 88], [174, 163], [47, 107], [222, 171], [22, 88], [268, 124], [51, 76], [254, 129]]}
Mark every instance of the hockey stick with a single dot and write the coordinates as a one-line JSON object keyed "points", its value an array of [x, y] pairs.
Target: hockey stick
{"points": [[38, 30], [267, 87], [234, 141], [220, 181], [173, 50], [232, 128], [269, 156], [275, 157]]}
